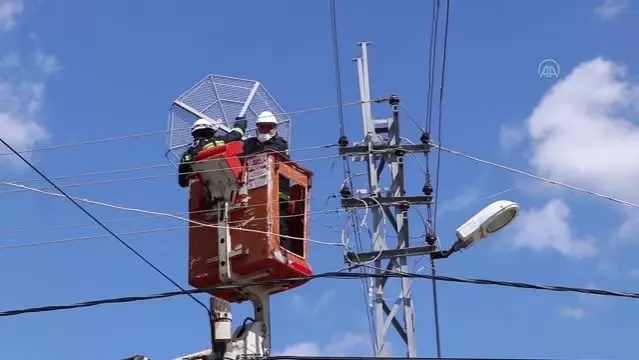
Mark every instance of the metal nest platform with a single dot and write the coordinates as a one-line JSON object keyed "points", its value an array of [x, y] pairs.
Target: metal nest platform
{"points": [[222, 98]]}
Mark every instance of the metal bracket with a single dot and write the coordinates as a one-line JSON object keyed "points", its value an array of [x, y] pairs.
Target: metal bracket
{"points": [[186, 107], [353, 257], [234, 253], [379, 149], [365, 202], [224, 244], [249, 339]]}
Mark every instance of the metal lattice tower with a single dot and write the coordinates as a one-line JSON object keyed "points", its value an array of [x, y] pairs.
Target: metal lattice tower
{"points": [[382, 147], [223, 98]]}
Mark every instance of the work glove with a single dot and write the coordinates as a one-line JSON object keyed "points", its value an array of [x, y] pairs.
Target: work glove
{"points": [[240, 122]]}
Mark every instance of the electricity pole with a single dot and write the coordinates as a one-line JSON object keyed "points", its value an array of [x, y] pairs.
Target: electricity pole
{"points": [[380, 147]]}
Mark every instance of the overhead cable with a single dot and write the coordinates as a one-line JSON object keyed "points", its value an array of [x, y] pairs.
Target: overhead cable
{"points": [[440, 112], [530, 175], [336, 65], [323, 197], [433, 220], [540, 178], [149, 177], [161, 132], [150, 167], [432, 56], [146, 217], [79, 206], [148, 212], [346, 165], [145, 231], [327, 275]]}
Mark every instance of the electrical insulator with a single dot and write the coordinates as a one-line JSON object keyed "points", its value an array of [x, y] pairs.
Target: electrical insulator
{"points": [[431, 239], [345, 192], [343, 141], [425, 138]]}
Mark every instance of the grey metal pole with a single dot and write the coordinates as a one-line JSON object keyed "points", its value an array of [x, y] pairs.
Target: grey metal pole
{"points": [[378, 237], [377, 153]]}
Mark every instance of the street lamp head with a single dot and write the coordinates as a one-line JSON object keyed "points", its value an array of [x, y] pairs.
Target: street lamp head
{"points": [[489, 220]]}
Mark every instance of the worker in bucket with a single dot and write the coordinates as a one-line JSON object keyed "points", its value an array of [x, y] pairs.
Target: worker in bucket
{"points": [[266, 137], [206, 135]]}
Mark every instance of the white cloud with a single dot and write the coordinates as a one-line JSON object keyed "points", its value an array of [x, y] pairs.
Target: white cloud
{"points": [[584, 132], [608, 267], [21, 100], [548, 228], [628, 232], [312, 307], [593, 302], [510, 136], [308, 348], [347, 344], [586, 305], [48, 63], [610, 9], [10, 60], [573, 312], [581, 130], [461, 201], [19, 107], [9, 10]]}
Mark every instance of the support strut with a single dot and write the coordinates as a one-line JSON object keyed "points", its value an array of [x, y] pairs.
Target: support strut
{"points": [[248, 340], [251, 339]]}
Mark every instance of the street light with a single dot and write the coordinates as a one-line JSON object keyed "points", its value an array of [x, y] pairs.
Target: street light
{"points": [[489, 220]]}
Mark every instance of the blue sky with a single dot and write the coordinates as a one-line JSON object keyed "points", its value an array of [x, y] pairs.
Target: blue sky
{"points": [[99, 70]]}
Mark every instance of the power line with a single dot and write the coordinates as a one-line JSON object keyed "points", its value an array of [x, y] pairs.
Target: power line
{"points": [[433, 268], [346, 166], [324, 197], [440, 111], [135, 252], [148, 177], [89, 142], [338, 76], [150, 167], [172, 216], [543, 179], [162, 132], [432, 55], [145, 231], [341, 275], [432, 211], [162, 214], [139, 218], [533, 176]]}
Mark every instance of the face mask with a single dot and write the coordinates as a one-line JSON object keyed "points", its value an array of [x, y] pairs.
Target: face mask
{"points": [[264, 137]]}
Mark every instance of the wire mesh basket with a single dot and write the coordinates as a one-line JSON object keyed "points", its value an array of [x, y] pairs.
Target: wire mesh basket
{"points": [[221, 98]]}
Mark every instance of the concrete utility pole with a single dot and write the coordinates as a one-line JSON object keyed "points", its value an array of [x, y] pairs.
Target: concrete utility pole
{"points": [[382, 146]]}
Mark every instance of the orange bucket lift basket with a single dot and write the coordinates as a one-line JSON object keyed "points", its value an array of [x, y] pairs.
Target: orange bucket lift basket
{"points": [[240, 196], [243, 229]]}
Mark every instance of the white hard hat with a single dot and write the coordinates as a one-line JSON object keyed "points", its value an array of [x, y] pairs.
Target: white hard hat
{"points": [[201, 124], [266, 117]]}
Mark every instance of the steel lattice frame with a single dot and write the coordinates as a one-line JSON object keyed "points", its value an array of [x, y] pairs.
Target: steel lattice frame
{"points": [[386, 201], [223, 98]]}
